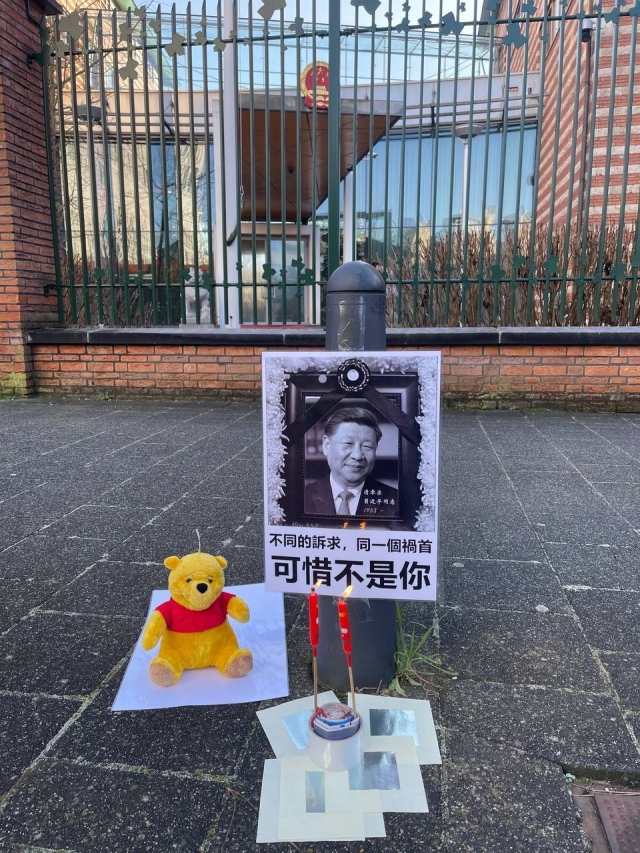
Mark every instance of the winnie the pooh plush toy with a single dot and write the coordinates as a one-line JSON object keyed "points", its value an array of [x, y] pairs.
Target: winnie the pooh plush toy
{"points": [[192, 626]]}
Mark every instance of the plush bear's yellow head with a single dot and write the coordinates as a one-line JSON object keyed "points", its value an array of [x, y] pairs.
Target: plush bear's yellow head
{"points": [[196, 580]]}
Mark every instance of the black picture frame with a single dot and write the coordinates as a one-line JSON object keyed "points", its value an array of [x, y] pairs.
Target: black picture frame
{"points": [[392, 396]]}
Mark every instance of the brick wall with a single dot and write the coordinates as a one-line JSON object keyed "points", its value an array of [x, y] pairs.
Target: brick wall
{"points": [[26, 253], [574, 376], [567, 67]]}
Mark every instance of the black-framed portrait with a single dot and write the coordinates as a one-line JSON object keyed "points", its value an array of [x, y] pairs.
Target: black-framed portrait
{"points": [[320, 415]]}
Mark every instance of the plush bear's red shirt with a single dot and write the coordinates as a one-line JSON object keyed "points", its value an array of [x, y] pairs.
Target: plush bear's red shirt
{"points": [[184, 621]]}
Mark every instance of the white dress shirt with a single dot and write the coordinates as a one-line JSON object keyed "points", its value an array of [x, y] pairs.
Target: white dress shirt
{"points": [[356, 491]]}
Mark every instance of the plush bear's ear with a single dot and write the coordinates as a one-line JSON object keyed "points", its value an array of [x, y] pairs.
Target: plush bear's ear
{"points": [[172, 562], [222, 561]]}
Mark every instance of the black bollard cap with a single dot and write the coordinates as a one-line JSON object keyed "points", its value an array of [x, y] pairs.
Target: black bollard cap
{"points": [[356, 276]]}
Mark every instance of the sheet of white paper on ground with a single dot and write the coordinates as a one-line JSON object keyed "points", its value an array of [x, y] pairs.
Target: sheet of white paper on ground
{"points": [[263, 634], [302, 815], [270, 831], [391, 715], [286, 725], [389, 774]]}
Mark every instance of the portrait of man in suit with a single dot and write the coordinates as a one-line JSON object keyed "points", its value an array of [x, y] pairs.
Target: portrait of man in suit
{"points": [[349, 445]]}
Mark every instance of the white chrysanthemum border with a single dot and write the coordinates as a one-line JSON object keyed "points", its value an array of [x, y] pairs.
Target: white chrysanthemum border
{"points": [[279, 368]]}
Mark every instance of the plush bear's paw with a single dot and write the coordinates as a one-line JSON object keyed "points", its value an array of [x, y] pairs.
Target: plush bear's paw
{"points": [[240, 664], [161, 674]]}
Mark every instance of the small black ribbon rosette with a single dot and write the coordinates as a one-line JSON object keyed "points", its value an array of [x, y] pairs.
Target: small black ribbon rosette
{"points": [[353, 375], [353, 378]]}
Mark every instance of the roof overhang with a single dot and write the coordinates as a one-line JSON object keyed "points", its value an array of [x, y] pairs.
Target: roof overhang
{"points": [[362, 125]]}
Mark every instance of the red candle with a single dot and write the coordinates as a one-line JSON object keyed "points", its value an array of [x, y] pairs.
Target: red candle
{"points": [[313, 619], [345, 627]]}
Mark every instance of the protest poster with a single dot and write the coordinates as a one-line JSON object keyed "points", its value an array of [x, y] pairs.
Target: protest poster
{"points": [[351, 472]]}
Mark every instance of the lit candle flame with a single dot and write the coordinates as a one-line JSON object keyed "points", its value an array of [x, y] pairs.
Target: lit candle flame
{"points": [[347, 591], [363, 525], [345, 525], [318, 584]]}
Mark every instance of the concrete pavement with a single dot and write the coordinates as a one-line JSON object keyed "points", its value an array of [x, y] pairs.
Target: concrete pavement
{"points": [[540, 526]]}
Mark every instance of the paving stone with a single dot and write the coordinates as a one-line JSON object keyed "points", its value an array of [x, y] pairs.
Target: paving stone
{"points": [[514, 541], [624, 672], [204, 739], [49, 559], [512, 585], [20, 596], [601, 526], [27, 724], [62, 806], [603, 566], [501, 800], [64, 654], [582, 731], [601, 472], [518, 648], [611, 620], [113, 524], [625, 498], [121, 589]]}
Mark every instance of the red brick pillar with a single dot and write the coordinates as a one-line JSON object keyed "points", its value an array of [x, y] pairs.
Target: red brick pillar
{"points": [[26, 237]]}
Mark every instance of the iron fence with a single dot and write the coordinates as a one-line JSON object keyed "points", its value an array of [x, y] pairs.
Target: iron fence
{"points": [[213, 168]]}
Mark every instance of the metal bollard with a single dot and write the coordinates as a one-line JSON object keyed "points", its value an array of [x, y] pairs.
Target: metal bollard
{"points": [[356, 321]]}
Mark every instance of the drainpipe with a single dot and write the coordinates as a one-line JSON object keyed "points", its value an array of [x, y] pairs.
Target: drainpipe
{"points": [[588, 27]]}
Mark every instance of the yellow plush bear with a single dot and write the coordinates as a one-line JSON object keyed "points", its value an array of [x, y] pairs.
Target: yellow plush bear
{"points": [[193, 625]]}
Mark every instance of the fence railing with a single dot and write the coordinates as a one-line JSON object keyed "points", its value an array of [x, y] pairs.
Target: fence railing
{"points": [[207, 168]]}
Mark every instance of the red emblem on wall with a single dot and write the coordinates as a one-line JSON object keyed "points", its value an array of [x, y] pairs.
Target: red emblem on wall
{"points": [[314, 82]]}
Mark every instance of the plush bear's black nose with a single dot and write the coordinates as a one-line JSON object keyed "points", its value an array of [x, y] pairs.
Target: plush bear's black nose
{"points": [[202, 587]]}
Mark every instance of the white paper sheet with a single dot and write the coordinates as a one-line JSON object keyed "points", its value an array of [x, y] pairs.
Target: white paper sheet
{"points": [[288, 740], [295, 823], [264, 634], [419, 710], [340, 794]]}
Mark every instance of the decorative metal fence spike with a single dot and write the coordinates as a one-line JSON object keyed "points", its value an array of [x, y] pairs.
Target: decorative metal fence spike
{"points": [[72, 24], [156, 26], [176, 45], [450, 25], [128, 70], [61, 47], [270, 7], [529, 8], [497, 273], [613, 16], [125, 31], [406, 7], [268, 272], [296, 27], [403, 26], [298, 264], [369, 6], [619, 272], [99, 274], [219, 45], [514, 37], [463, 7], [550, 266], [200, 38], [141, 13], [634, 11], [425, 20]]}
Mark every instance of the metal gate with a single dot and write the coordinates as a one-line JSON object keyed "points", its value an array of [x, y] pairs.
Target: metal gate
{"points": [[216, 167]]}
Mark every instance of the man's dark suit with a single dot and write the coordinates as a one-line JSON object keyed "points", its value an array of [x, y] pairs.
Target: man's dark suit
{"points": [[377, 500]]}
